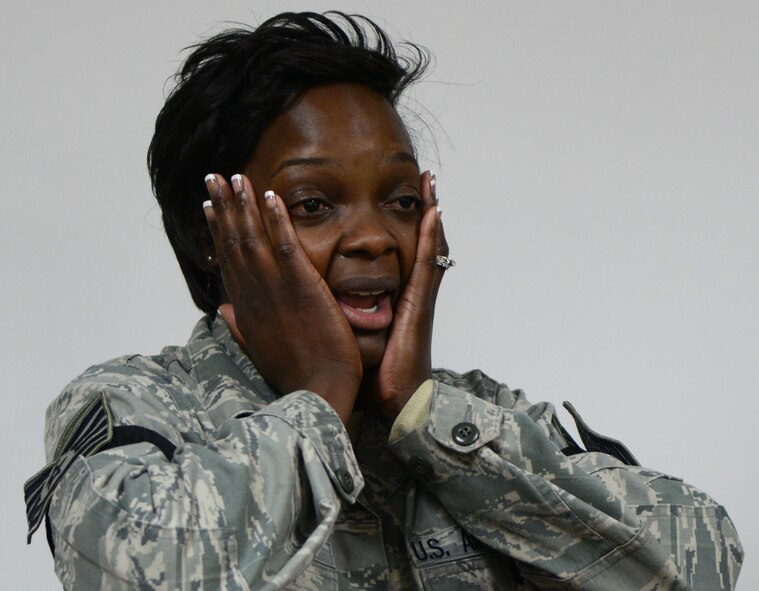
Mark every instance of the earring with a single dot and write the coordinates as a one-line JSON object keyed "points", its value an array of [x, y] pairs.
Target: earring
{"points": [[209, 258]]}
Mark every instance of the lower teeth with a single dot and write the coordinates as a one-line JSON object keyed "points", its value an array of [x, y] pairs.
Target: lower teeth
{"points": [[371, 310]]}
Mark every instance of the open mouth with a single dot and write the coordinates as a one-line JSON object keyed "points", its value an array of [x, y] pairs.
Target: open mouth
{"points": [[367, 303], [366, 310]]}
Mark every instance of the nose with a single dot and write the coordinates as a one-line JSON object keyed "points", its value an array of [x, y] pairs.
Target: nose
{"points": [[366, 233]]}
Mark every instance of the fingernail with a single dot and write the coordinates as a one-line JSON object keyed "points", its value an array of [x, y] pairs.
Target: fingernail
{"points": [[207, 204], [237, 183], [269, 195], [212, 184]]}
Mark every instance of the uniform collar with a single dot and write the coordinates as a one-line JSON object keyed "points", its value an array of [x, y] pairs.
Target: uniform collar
{"points": [[383, 471], [229, 383]]}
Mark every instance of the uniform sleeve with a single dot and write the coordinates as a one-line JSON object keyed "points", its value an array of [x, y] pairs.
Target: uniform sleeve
{"points": [[583, 522], [248, 509]]}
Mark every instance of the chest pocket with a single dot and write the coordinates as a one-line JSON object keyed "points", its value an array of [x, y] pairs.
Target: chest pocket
{"points": [[321, 574], [485, 573], [444, 557], [448, 560]]}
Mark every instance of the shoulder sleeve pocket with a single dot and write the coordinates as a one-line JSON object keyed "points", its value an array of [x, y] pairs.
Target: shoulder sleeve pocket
{"points": [[91, 430]]}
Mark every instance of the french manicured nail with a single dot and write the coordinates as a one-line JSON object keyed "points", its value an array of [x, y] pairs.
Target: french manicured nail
{"points": [[237, 183], [207, 204], [212, 184], [269, 195]]}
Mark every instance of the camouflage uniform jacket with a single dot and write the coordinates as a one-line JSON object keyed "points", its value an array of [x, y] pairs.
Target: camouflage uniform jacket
{"points": [[187, 471]]}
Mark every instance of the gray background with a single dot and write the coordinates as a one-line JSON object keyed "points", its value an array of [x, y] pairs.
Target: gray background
{"points": [[598, 174]]}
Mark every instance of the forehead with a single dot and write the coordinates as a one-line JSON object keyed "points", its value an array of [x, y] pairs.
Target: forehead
{"points": [[341, 120]]}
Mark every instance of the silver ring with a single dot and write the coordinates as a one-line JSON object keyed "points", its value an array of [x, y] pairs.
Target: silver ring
{"points": [[444, 263]]}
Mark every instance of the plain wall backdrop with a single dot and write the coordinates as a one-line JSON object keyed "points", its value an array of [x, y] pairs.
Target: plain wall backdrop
{"points": [[597, 168]]}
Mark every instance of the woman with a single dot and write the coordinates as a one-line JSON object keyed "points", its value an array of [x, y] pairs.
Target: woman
{"points": [[301, 439]]}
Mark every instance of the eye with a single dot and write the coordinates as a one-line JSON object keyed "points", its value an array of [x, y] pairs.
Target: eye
{"points": [[406, 203], [310, 207]]}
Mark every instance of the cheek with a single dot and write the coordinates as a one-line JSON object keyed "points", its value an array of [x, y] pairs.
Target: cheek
{"points": [[318, 246]]}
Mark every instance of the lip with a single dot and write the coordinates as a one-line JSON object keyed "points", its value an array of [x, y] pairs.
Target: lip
{"points": [[365, 283], [383, 289]]}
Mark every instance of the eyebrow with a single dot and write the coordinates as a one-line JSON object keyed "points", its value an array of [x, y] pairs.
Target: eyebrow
{"points": [[397, 157], [404, 157], [300, 162]]}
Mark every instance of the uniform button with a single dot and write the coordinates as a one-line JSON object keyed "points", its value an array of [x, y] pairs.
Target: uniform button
{"points": [[345, 479], [465, 433], [420, 467]]}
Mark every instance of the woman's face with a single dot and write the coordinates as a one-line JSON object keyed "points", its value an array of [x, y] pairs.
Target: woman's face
{"points": [[341, 160]]}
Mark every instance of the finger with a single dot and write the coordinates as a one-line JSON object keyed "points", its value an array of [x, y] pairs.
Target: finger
{"points": [[437, 246], [213, 227], [284, 241], [429, 196], [430, 200], [216, 192], [254, 242], [225, 211], [264, 217], [425, 276], [427, 191], [428, 247], [442, 243]]}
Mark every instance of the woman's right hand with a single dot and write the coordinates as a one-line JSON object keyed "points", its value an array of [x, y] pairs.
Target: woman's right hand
{"points": [[289, 322]]}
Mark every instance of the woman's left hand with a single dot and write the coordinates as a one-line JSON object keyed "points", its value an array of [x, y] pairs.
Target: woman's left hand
{"points": [[407, 361]]}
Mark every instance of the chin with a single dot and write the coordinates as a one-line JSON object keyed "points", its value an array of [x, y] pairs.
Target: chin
{"points": [[372, 350]]}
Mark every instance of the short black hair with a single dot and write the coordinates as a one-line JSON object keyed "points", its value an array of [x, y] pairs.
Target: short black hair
{"points": [[231, 87]]}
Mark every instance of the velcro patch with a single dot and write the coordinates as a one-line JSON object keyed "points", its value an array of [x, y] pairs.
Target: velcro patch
{"points": [[453, 544], [594, 441], [90, 430]]}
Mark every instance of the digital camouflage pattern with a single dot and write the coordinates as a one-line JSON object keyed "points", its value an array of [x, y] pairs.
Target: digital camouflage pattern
{"points": [[207, 479]]}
